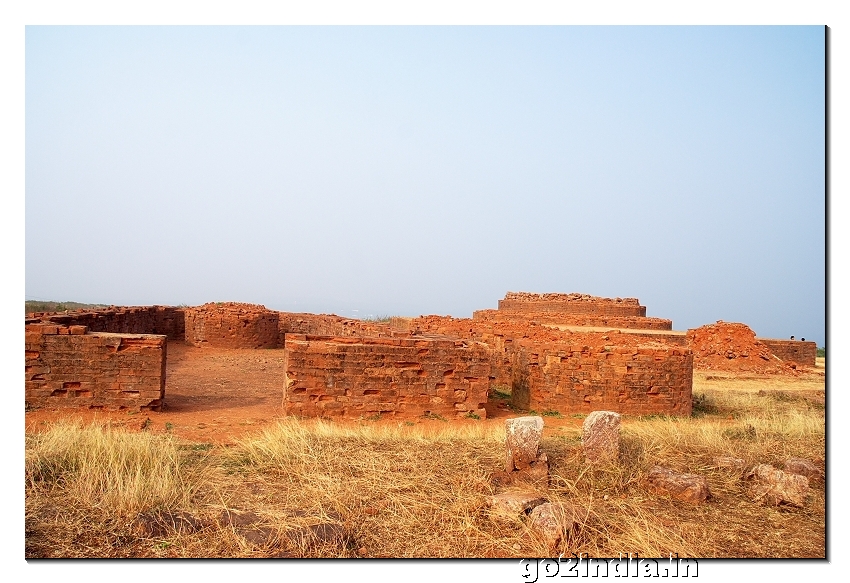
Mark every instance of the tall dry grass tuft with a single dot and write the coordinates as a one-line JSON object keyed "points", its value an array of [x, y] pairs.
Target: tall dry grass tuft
{"points": [[428, 483], [109, 469]]}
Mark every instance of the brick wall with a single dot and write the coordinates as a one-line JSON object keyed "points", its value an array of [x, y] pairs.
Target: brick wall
{"points": [[67, 367], [328, 325], [128, 320], [571, 304], [579, 378], [232, 325], [593, 320], [581, 371], [799, 351], [399, 377]]}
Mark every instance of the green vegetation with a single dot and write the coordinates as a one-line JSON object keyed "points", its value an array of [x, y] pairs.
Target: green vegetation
{"points": [[501, 392], [822, 352]]}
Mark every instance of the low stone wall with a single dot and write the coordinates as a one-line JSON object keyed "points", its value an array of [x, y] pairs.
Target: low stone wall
{"points": [[799, 351], [232, 325], [578, 378], [399, 377], [67, 367], [166, 320]]}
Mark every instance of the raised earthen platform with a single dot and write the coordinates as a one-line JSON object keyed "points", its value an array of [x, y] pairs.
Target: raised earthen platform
{"points": [[588, 320], [574, 303]]}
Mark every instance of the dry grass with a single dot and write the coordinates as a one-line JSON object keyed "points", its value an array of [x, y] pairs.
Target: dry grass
{"points": [[419, 491]]}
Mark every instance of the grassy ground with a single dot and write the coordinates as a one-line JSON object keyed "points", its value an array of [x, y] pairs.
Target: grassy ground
{"points": [[400, 490]]}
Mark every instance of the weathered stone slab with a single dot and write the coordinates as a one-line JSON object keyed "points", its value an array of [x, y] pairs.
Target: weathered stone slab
{"points": [[552, 523], [600, 436], [776, 487], [686, 487], [513, 504], [804, 467], [522, 442]]}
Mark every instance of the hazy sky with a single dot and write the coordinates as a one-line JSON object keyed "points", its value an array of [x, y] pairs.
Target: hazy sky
{"points": [[411, 170]]}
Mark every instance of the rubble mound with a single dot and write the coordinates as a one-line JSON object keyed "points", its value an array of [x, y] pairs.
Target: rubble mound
{"points": [[733, 347]]}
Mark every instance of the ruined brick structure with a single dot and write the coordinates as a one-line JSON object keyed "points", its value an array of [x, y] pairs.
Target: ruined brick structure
{"points": [[66, 366], [799, 351], [575, 371], [406, 377], [587, 320], [580, 378], [571, 353], [232, 325], [129, 320], [523, 302], [328, 325]]}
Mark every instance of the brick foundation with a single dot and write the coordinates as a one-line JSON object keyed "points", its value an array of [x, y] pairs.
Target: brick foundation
{"points": [[232, 325], [799, 351], [68, 367], [404, 377], [592, 320]]}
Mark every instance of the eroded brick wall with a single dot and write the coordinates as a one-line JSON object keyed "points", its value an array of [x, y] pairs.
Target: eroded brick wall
{"points": [[166, 320], [571, 304], [232, 325], [329, 325], [625, 322], [405, 377], [799, 351], [67, 367], [579, 378], [636, 373]]}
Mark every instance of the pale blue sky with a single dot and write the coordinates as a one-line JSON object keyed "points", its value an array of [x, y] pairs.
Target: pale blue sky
{"points": [[409, 170]]}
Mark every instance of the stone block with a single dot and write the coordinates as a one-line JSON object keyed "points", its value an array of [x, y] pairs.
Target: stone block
{"points": [[600, 436], [775, 487], [686, 487], [522, 442]]}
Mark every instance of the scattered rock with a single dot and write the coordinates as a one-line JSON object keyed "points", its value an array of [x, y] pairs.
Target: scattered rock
{"points": [[686, 487], [732, 463], [551, 522], [163, 524], [600, 436], [804, 467], [522, 441], [776, 487], [537, 474], [513, 504]]}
